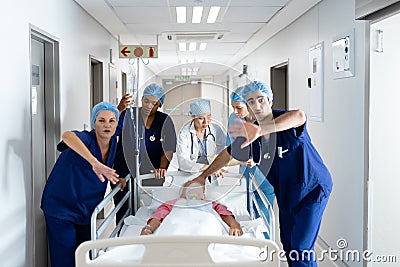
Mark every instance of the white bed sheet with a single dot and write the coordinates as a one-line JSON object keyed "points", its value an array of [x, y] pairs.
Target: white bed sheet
{"points": [[218, 252], [134, 224]]}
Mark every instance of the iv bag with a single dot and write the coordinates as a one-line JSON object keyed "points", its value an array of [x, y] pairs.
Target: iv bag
{"points": [[131, 86]]}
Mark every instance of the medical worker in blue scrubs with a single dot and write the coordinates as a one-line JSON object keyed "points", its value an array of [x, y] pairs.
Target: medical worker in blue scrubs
{"points": [[78, 183], [241, 112], [157, 140], [290, 162]]}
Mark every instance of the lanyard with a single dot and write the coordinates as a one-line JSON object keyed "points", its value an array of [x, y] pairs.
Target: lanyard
{"points": [[203, 144]]}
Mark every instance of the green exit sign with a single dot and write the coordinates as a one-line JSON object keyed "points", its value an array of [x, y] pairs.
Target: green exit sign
{"points": [[182, 78]]}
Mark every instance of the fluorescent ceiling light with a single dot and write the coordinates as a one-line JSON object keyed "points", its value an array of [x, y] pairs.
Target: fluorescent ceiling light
{"points": [[202, 46], [213, 14], [181, 14], [192, 46], [197, 13], [182, 46]]}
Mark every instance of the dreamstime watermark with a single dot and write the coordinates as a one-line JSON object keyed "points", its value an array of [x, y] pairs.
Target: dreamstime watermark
{"points": [[341, 254]]}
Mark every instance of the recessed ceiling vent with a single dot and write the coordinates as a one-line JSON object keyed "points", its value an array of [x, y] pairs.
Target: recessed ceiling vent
{"points": [[193, 36]]}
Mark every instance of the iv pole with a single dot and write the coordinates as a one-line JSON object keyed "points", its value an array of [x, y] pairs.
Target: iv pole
{"points": [[136, 188], [135, 92]]}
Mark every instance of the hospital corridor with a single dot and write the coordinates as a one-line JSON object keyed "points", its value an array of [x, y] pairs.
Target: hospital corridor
{"points": [[199, 133]]}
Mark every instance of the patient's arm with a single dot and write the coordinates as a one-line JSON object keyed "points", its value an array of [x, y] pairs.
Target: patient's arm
{"points": [[235, 228], [151, 227], [155, 220]]}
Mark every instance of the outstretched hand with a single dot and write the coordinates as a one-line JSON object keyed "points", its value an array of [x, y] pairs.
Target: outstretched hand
{"points": [[102, 171], [220, 173], [248, 130]]}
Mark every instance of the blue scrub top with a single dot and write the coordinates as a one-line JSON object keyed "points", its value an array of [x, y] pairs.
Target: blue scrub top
{"points": [[290, 162], [73, 190], [232, 120], [150, 149]]}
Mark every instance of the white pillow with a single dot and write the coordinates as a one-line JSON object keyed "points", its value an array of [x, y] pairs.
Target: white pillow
{"points": [[161, 195]]}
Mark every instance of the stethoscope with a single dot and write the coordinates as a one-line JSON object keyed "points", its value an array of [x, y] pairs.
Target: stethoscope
{"points": [[204, 140], [152, 137]]}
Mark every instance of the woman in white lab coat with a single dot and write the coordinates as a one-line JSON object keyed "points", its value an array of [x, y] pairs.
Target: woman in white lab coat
{"points": [[200, 140]]}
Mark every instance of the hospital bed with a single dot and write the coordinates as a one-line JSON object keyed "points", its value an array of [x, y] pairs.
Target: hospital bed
{"points": [[131, 249]]}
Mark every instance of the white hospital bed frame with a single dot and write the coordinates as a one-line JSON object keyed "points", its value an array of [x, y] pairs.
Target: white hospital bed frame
{"points": [[158, 247]]}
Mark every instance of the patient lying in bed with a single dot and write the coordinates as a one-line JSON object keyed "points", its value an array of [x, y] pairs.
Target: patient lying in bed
{"points": [[191, 214]]}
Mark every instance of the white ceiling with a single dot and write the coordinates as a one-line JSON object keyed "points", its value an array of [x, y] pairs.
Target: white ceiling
{"points": [[242, 25]]}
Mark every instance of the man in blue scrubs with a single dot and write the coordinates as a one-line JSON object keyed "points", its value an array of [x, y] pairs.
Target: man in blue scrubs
{"points": [[301, 181], [241, 112], [77, 183]]}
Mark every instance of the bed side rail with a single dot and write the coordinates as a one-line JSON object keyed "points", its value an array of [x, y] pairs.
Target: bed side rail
{"points": [[97, 231], [254, 186]]}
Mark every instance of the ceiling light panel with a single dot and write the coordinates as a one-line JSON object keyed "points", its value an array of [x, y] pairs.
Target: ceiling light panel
{"points": [[202, 46], [197, 14], [192, 46], [213, 14], [181, 14], [182, 46]]}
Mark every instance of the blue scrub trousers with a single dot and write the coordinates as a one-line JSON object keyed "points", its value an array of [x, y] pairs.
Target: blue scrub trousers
{"points": [[64, 237], [265, 187], [299, 228]]}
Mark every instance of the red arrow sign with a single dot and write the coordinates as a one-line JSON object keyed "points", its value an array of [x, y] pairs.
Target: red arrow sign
{"points": [[125, 51], [138, 51]]}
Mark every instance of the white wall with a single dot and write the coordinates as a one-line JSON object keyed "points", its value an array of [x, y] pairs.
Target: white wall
{"points": [[340, 138], [215, 93], [384, 141], [79, 36]]}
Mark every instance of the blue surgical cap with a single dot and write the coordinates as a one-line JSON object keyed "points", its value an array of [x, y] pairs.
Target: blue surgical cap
{"points": [[103, 106], [257, 86], [237, 95], [155, 90], [200, 106]]}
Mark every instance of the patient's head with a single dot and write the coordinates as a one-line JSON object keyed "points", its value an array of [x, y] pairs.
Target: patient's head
{"points": [[192, 190]]}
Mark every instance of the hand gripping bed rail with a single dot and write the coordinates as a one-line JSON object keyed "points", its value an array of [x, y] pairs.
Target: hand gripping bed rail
{"points": [[178, 251], [96, 232], [271, 224]]}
